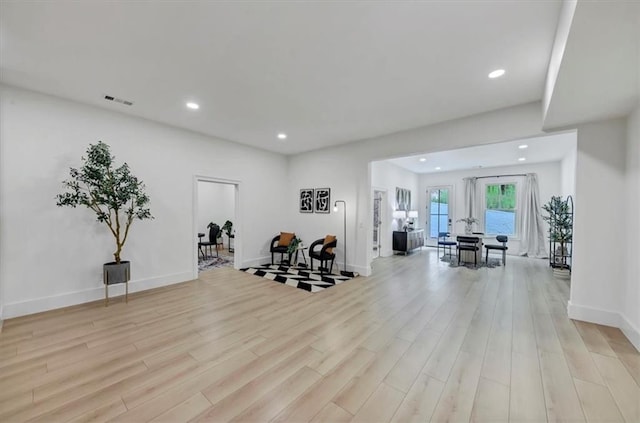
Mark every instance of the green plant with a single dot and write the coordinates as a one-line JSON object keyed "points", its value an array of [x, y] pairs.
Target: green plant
{"points": [[228, 227], [293, 245], [560, 222], [115, 195]]}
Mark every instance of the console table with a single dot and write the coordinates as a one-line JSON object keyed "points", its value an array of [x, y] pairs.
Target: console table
{"points": [[405, 241]]}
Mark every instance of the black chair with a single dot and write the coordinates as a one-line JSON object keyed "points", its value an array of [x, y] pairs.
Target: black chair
{"points": [[468, 243], [502, 247], [214, 231], [442, 241], [324, 254], [281, 249]]}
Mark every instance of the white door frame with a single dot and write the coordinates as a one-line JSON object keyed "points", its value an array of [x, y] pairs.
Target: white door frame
{"points": [[237, 220]]}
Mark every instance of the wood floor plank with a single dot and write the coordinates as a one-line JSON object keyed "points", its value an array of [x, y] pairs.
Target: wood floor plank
{"points": [[491, 404], [381, 406], [416, 341], [313, 400], [456, 401], [527, 402], [621, 384], [421, 400], [355, 394], [332, 413], [561, 398], [597, 403], [268, 406]]}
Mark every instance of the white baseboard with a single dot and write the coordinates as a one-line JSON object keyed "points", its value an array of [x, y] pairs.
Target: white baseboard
{"points": [[631, 332], [606, 318], [1, 318], [254, 262], [38, 305]]}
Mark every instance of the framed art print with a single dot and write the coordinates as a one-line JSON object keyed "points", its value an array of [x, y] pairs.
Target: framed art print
{"points": [[306, 200], [322, 200]]}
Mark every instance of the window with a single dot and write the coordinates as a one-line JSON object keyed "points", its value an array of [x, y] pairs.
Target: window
{"points": [[500, 209]]}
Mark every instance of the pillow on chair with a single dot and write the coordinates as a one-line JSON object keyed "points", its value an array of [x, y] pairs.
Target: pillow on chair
{"points": [[328, 239], [285, 238]]}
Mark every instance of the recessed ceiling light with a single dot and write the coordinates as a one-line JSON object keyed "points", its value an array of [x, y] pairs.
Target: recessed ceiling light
{"points": [[496, 73], [523, 146], [423, 159], [438, 168], [193, 106], [282, 136], [522, 159]]}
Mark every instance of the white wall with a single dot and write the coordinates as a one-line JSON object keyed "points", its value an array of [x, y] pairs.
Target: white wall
{"points": [[52, 257], [216, 203], [548, 183], [387, 176], [568, 172], [631, 287], [599, 227]]}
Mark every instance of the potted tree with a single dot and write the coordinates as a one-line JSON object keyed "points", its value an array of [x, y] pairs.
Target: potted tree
{"points": [[116, 197], [560, 219]]}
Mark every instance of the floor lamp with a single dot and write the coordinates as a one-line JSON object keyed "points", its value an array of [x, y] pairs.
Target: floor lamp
{"points": [[335, 209]]}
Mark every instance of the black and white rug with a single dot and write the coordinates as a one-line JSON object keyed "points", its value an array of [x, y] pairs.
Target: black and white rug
{"points": [[453, 262], [298, 277]]}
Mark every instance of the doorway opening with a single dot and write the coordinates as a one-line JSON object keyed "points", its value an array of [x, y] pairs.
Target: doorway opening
{"points": [[377, 222], [215, 224]]}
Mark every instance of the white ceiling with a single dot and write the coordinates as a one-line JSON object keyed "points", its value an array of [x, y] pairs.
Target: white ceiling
{"points": [[540, 149], [325, 73]]}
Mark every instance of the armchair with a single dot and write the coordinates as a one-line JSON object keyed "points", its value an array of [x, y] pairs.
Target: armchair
{"points": [[325, 253], [280, 244]]}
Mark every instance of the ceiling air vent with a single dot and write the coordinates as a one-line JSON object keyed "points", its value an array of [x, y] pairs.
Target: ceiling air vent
{"points": [[118, 100]]}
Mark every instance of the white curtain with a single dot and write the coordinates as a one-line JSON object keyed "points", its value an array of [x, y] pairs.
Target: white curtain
{"points": [[532, 231], [471, 203]]}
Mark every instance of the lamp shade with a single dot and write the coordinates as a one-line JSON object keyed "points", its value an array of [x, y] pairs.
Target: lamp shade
{"points": [[413, 213], [399, 214]]}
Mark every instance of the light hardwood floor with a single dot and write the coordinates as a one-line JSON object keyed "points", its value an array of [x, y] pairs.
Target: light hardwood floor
{"points": [[416, 342]]}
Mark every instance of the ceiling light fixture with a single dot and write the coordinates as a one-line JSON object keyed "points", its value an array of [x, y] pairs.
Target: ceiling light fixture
{"points": [[282, 136], [496, 73], [522, 159], [423, 159], [523, 146], [438, 168], [193, 106]]}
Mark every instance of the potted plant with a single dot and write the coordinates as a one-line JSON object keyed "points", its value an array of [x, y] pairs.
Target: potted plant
{"points": [[560, 221], [228, 229], [468, 224], [116, 197]]}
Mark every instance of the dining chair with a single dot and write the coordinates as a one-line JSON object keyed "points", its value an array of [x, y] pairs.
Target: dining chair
{"points": [[501, 247], [468, 243], [442, 241]]}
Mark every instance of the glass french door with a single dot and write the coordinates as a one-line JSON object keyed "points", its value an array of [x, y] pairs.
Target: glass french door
{"points": [[438, 212]]}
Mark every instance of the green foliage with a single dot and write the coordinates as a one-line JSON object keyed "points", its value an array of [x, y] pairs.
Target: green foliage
{"points": [[115, 195], [228, 227], [560, 220], [501, 197], [293, 245], [440, 196]]}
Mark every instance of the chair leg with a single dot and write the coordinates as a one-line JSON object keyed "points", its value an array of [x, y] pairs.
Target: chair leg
{"points": [[459, 254], [331, 268], [311, 260], [504, 258], [486, 259]]}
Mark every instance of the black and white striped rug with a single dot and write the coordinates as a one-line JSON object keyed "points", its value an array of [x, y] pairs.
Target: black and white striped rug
{"points": [[298, 277]]}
